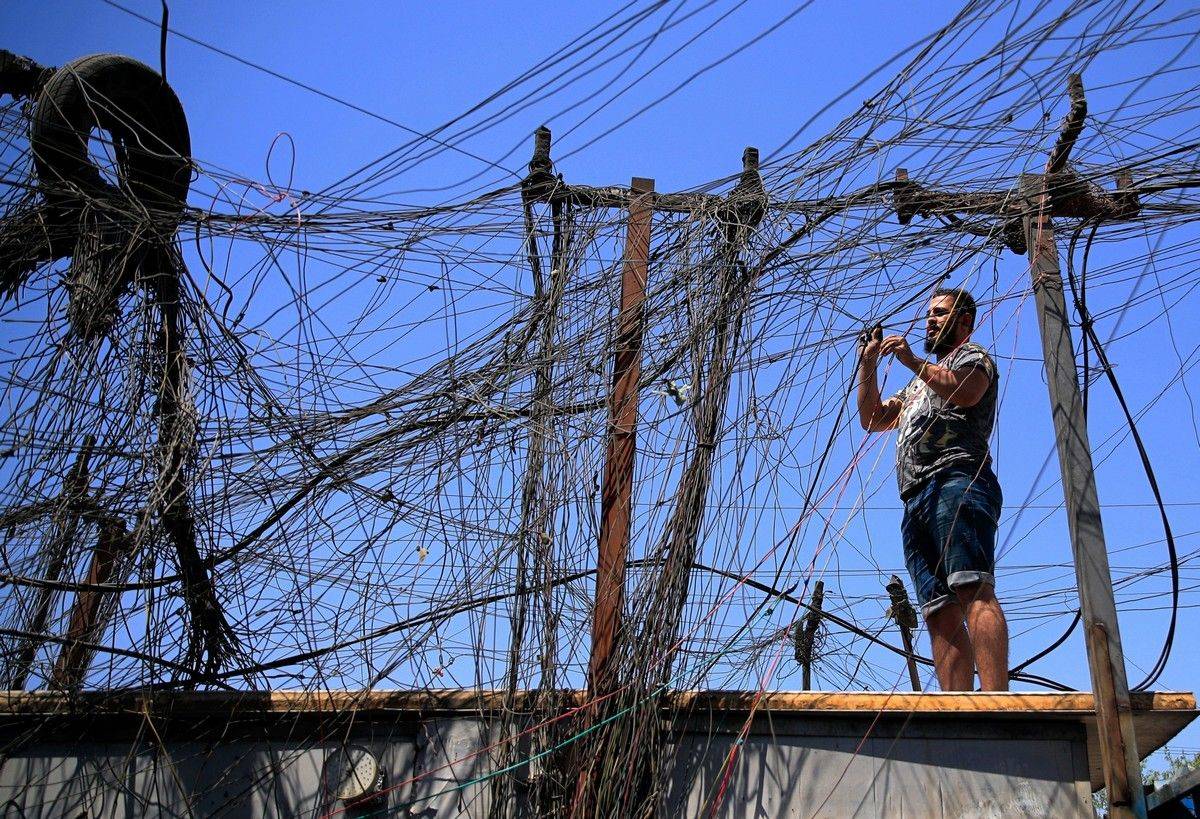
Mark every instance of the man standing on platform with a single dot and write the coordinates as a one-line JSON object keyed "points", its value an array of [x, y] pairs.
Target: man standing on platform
{"points": [[951, 496]]}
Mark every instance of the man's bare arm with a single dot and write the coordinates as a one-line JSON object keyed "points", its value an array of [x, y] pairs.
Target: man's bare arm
{"points": [[963, 387], [874, 414], [884, 417]]}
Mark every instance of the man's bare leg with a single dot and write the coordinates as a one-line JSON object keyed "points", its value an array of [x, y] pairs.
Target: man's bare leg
{"points": [[989, 635], [952, 656]]}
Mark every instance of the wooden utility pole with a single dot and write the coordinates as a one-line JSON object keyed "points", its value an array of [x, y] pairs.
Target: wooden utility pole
{"points": [[1118, 745], [616, 508], [87, 621], [1114, 714]]}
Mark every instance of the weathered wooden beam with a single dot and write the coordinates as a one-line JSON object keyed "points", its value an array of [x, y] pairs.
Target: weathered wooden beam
{"points": [[616, 502], [1070, 196], [471, 700], [541, 184], [1106, 661], [1067, 194], [1122, 772], [86, 621]]}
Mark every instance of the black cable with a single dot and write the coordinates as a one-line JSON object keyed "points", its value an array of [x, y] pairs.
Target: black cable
{"points": [[1074, 622], [1086, 324], [162, 41]]}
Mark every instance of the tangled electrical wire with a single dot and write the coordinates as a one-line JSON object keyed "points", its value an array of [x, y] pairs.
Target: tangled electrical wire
{"points": [[335, 440]]}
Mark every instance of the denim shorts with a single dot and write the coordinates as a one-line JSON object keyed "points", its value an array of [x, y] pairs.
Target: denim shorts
{"points": [[949, 533]]}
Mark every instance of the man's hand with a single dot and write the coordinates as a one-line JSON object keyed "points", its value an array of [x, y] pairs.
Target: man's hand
{"points": [[963, 387], [869, 345], [897, 346], [874, 414]]}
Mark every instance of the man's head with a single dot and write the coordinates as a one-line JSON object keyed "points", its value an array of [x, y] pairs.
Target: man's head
{"points": [[950, 320]]}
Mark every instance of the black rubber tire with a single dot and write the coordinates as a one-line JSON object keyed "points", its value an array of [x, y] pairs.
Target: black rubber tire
{"points": [[128, 99]]}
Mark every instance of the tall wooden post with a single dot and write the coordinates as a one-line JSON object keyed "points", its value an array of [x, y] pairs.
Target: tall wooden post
{"points": [[87, 622], [617, 491], [1118, 747]]}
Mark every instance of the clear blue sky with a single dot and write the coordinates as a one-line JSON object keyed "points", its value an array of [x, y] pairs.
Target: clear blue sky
{"points": [[422, 64]]}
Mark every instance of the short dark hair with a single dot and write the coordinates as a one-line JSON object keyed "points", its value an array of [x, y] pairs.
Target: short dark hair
{"points": [[964, 302]]}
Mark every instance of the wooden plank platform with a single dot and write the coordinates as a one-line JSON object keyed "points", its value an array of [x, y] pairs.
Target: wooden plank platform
{"points": [[453, 700]]}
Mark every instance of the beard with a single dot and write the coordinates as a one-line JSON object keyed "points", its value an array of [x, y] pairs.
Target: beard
{"points": [[939, 343]]}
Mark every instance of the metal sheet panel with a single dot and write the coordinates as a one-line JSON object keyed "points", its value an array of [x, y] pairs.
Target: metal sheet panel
{"points": [[790, 765], [834, 768]]}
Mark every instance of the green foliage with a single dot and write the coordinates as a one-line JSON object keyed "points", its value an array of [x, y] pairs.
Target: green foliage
{"points": [[1178, 763]]}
